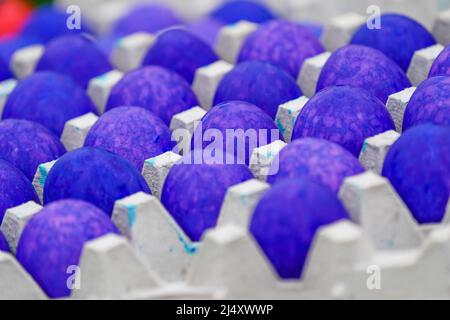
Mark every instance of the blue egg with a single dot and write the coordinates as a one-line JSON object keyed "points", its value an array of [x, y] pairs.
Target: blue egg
{"points": [[48, 98], [181, 51], [441, 66], [237, 10], [93, 175], [398, 38], [286, 219], [77, 56], [3, 243], [10, 45], [259, 83], [5, 72], [418, 166]]}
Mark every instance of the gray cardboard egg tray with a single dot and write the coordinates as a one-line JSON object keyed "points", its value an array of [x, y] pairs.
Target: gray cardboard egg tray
{"points": [[382, 253]]}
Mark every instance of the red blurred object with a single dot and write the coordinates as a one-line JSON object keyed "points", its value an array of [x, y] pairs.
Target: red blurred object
{"points": [[13, 15]]}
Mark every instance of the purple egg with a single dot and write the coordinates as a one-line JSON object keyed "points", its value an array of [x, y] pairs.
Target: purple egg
{"points": [[52, 242], [343, 115], [398, 38], [234, 11], [418, 166], [48, 98], [206, 29], [441, 66], [259, 83], [157, 89], [316, 159], [131, 132], [193, 192], [76, 56], [146, 18], [3, 243], [281, 43], [5, 72], [363, 67], [27, 144], [93, 175], [15, 188], [224, 128], [286, 219], [429, 103], [180, 50]]}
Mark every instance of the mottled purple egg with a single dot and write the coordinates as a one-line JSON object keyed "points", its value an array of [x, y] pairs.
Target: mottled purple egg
{"points": [[259, 83], [51, 244], [5, 72], [157, 89], [206, 29], [146, 18], [3, 243], [131, 132], [180, 50], [286, 219], [237, 10], [281, 43], [193, 192], [235, 127], [418, 166], [398, 38], [15, 188], [27, 144], [48, 98], [76, 56], [441, 66], [344, 115], [319, 160], [93, 175], [429, 103], [363, 67]]}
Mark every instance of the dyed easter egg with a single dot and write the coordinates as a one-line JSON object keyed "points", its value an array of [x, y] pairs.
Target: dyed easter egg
{"points": [[316, 159], [281, 43], [146, 18], [418, 166], [157, 89], [15, 188], [237, 10], [27, 144], [206, 29], [363, 67], [93, 175], [193, 192], [286, 219], [5, 72], [441, 66], [52, 242], [180, 50], [131, 132], [398, 38], [343, 115], [3, 243], [77, 56], [429, 103], [259, 83], [48, 98], [235, 127]]}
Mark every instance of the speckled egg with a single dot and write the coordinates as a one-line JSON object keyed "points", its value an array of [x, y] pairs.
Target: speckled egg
{"points": [[77, 56], [224, 126], [15, 188], [259, 83], [363, 67], [133, 133], [398, 38], [418, 166], [51, 244], [286, 219], [48, 98], [194, 191], [281, 43], [237, 10], [157, 89], [441, 66], [27, 144], [344, 115], [429, 103], [316, 159], [180, 50], [93, 175]]}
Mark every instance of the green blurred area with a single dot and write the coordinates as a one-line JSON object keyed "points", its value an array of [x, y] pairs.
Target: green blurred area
{"points": [[39, 2]]}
